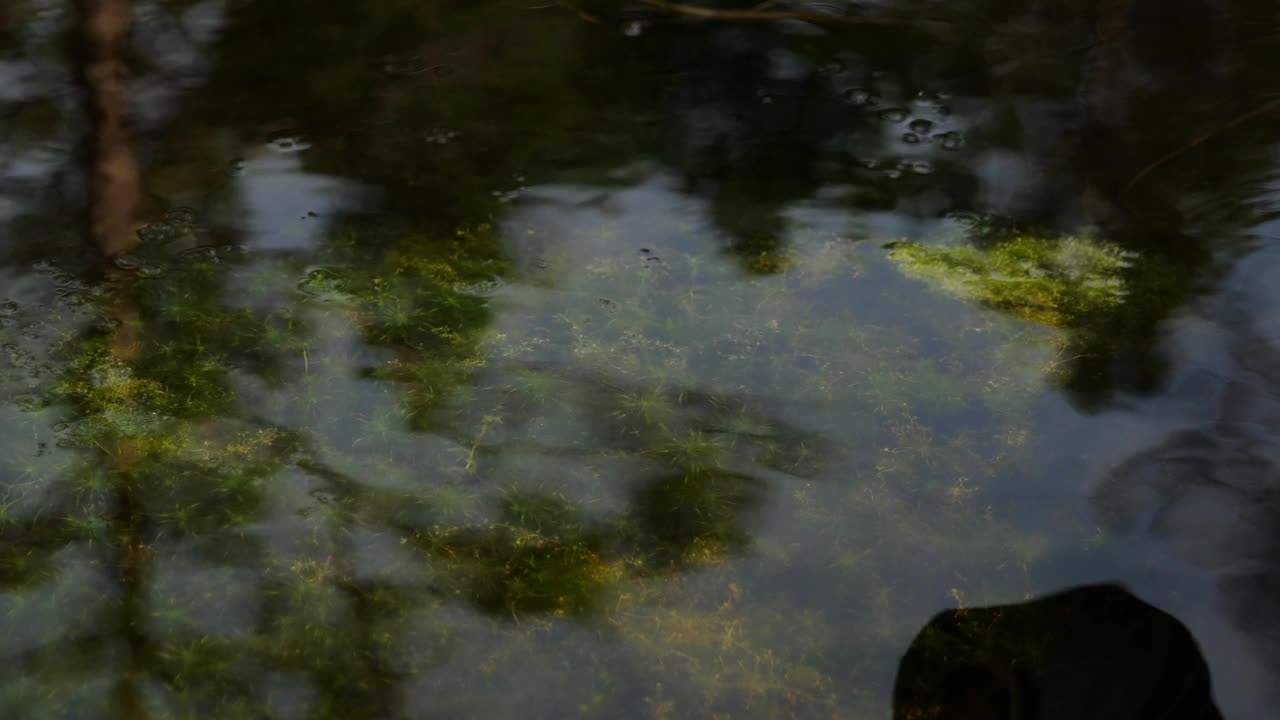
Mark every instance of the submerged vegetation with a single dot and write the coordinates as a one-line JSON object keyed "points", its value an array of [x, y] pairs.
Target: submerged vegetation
{"points": [[351, 447], [1055, 281], [480, 361], [1104, 300]]}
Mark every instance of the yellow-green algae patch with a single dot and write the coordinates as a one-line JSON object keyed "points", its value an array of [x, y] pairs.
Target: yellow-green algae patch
{"points": [[1055, 281]]}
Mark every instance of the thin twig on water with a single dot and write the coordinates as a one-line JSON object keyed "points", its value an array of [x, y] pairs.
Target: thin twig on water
{"points": [[762, 12], [1274, 104]]}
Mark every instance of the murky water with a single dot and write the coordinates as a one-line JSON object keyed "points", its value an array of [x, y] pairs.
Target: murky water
{"points": [[601, 359]]}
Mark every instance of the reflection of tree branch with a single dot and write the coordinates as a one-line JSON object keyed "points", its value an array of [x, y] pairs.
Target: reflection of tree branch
{"points": [[1274, 104], [580, 12], [761, 12]]}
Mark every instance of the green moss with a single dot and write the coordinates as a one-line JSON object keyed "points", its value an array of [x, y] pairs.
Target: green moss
{"points": [[1057, 281], [1106, 302]]}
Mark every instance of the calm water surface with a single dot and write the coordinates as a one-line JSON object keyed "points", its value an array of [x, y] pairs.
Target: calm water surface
{"points": [[596, 359]]}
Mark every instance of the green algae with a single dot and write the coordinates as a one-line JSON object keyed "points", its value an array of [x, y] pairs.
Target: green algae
{"points": [[1055, 281], [1103, 301]]}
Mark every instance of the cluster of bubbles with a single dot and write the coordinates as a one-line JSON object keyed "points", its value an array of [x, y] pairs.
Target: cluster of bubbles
{"points": [[924, 130], [175, 224], [175, 235], [926, 119], [920, 128], [506, 196], [288, 144], [139, 266], [899, 169], [18, 357], [13, 356], [68, 289]]}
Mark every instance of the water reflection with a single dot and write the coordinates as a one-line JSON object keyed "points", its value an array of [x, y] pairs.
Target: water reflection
{"points": [[1201, 485], [589, 388], [287, 209]]}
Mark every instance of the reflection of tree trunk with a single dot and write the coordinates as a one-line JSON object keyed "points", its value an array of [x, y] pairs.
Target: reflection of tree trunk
{"points": [[133, 555], [1104, 100], [1106, 88], [115, 192], [114, 182]]}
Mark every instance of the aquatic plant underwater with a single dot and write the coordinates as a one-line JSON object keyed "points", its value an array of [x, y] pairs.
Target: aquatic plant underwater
{"points": [[656, 472], [661, 392]]}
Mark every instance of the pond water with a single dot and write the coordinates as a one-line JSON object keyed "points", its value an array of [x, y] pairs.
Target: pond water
{"points": [[494, 358]]}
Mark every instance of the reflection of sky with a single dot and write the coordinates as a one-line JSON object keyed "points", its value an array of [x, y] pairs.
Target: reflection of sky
{"points": [[554, 232], [24, 170], [179, 40], [42, 73], [1220, 351], [1191, 476], [557, 230], [16, 80], [287, 208], [34, 74], [1228, 351]]}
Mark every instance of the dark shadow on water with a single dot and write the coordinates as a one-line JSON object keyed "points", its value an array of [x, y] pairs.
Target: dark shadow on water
{"points": [[1090, 652]]}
